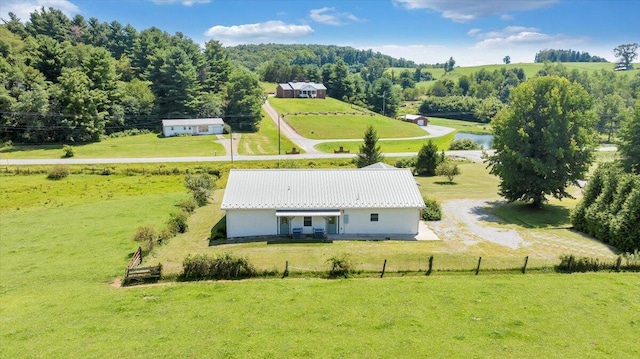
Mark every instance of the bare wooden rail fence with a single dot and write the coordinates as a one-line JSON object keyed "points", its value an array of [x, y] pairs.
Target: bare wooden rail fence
{"points": [[135, 273]]}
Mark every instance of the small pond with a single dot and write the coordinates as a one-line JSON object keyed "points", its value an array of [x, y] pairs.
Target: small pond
{"points": [[484, 140]]}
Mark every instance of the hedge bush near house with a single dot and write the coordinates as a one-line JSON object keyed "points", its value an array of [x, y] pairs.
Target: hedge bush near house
{"points": [[432, 211], [223, 266]]}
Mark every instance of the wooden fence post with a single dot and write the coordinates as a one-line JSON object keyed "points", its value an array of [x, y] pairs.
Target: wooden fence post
{"points": [[286, 269], [618, 263], [478, 267], [384, 266], [430, 265], [524, 268]]}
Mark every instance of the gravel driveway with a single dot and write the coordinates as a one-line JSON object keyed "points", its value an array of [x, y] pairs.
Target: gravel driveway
{"points": [[467, 220]]}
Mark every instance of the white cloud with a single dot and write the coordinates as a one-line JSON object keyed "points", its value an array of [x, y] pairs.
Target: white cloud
{"points": [[329, 16], [22, 8], [512, 36], [468, 10], [184, 2], [265, 32], [469, 55]]}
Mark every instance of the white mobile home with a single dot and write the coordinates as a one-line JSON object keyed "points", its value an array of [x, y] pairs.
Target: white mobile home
{"points": [[334, 201], [196, 126]]}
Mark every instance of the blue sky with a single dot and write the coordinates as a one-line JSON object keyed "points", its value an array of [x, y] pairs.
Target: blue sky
{"points": [[473, 32]]}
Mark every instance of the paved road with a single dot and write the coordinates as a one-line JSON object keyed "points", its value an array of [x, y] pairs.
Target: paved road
{"points": [[475, 156]]}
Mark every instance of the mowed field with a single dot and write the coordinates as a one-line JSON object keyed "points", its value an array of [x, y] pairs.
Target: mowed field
{"points": [[264, 141], [147, 145], [62, 244], [333, 119]]}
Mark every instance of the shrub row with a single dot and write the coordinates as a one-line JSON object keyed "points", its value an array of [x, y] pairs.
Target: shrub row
{"points": [[571, 264], [610, 208], [223, 266]]}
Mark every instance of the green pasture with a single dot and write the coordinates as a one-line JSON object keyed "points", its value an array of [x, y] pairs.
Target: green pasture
{"points": [[348, 126], [530, 69], [268, 87], [326, 119], [390, 146], [147, 145], [288, 106], [265, 140], [63, 243]]}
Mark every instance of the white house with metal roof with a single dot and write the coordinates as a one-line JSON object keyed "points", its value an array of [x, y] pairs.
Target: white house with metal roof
{"points": [[333, 201], [195, 126]]}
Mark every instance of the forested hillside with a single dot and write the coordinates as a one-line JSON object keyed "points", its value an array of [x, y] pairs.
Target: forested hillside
{"points": [[69, 80]]}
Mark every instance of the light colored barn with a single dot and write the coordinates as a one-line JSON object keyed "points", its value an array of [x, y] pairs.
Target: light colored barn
{"points": [[333, 201], [195, 126]]}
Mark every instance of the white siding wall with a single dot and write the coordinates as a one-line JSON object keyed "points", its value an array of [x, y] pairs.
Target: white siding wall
{"points": [[390, 221], [246, 223], [316, 222], [169, 131]]}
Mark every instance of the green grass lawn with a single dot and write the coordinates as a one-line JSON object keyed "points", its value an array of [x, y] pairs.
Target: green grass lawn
{"points": [[334, 123], [388, 146], [63, 242], [268, 87], [265, 140], [148, 145]]}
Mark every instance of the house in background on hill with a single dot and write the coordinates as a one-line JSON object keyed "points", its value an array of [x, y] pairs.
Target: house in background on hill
{"points": [[374, 202], [301, 90], [195, 126], [417, 119]]}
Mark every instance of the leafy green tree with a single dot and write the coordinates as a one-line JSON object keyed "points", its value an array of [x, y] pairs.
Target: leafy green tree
{"points": [[384, 97], [611, 111], [450, 65], [217, 66], [544, 140], [406, 80], [487, 109], [81, 118], [369, 151], [174, 82], [507, 60], [428, 159], [201, 186], [448, 169], [244, 99], [49, 22], [629, 145], [625, 54]]}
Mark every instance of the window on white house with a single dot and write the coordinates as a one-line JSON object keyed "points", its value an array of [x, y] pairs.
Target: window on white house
{"points": [[184, 128], [307, 221], [374, 217]]}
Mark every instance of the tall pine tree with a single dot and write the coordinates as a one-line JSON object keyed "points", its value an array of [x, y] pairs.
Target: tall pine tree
{"points": [[369, 151]]}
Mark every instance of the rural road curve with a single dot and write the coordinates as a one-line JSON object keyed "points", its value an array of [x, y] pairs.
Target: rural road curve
{"points": [[308, 144]]}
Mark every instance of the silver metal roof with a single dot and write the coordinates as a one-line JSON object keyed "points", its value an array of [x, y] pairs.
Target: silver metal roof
{"points": [[193, 122], [413, 117], [321, 189], [380, 166], [302, 85]]}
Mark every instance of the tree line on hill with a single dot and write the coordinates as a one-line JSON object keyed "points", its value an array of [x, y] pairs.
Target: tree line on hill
{"points": [[559, 55], [67, 80], [479, 96]]}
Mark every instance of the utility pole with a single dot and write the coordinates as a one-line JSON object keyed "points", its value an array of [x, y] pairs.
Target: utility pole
{"points": [[278, 133], [231, 140]]}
